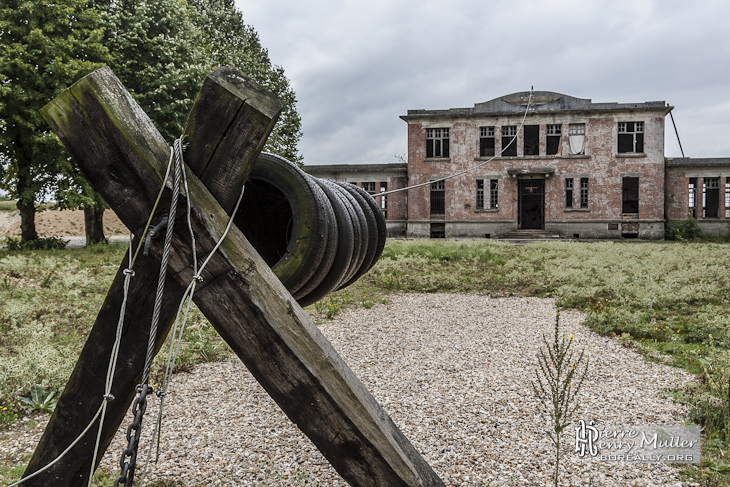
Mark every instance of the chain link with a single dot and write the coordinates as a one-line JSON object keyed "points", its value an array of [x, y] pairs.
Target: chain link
{"points": [[128, 461]]}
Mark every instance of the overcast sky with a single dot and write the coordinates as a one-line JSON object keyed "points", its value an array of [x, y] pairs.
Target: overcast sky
{"points": [[357, 66]]}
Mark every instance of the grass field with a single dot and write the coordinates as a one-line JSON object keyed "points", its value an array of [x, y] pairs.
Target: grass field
{"points": [[667, 297]]}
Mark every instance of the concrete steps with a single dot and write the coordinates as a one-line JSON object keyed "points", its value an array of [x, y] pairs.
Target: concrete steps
{"points": [[530, 235]]}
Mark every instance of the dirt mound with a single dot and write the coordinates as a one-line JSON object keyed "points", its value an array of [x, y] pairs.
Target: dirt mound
{"points": [[60, 223]]}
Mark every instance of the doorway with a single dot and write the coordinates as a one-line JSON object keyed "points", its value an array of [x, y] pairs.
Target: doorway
{"points": [[531, 203]]}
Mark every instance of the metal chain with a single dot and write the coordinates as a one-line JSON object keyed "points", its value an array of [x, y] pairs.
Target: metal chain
{"points": [[128, 461]]}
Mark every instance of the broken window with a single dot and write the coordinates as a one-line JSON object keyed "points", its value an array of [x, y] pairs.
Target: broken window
{"points": [[711, 198], [437, 142], [584, 192], [493, 199], [480, 194], [630, 195], [486, 141], [383, 199], [554, 147], [438, 198], [630, 137], [369, 187], [487, 201], [727, 197], [509, 145], [692, 197], [569, 193], [532, 140], [577, 138]]}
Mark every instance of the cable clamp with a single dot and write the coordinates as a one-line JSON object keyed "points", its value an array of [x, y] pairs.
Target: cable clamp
{"points": [[198, 278], [128, 272], [109, 397]]}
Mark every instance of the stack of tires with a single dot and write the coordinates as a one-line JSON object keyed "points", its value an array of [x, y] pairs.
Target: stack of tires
{"points": [[317, 235]]}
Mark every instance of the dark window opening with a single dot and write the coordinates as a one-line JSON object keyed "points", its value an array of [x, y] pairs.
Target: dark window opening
{"points": [[569, 193], [692, 197], [584, 192], [480, 194], [438, 230], [486, 141], [532, 140], [369, 187], [437, 142], [438, 198], [630, 137], [509, 141], [711, 197], [630, 195], [554, 133], [727, 197], [493, 193]]}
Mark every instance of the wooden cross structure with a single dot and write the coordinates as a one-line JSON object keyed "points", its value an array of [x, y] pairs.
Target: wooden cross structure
{"points": [[124, 157]]}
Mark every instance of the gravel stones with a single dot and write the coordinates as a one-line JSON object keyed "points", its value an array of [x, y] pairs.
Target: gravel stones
{"points": [[452, 370]]}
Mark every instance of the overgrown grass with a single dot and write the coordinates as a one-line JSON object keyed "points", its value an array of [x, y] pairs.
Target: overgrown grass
{"points": [[8, 205], [48, 303]]}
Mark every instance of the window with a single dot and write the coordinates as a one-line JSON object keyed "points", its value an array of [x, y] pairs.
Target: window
{"points": [[727, 197], [493, 187], [532, 140], [383, 199], [569, 193], [437, 142], [692, 197], [630, 194], [630, 137], [438, 198], [508, 133], [584, 192], [554, 133], [490, 201], [711, 198], [369, 187], [577, 138], [486, 141]]}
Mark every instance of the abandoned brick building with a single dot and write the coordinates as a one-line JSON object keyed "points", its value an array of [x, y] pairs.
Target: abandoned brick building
{"points": [[576, 168]]}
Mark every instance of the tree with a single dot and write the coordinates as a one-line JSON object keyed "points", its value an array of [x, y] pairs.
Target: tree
{"points": [[160, 57], [46, 46], [231, 42]]}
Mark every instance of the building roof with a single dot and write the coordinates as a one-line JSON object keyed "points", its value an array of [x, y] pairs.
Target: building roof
{"points": [[698, 161], [542, 101], [395, 168]]}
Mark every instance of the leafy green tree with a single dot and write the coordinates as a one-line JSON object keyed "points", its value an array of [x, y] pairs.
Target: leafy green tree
{"points": [[231, 42], [160, 57], [46, 46]]}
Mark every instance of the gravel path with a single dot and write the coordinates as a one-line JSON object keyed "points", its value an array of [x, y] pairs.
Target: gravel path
{"points": [[453, 372]]}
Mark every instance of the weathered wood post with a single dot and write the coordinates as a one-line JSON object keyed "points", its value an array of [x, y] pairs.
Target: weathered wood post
{"points": [[124, 157]]}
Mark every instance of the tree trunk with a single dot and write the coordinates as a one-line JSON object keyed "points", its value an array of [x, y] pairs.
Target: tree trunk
{"points": [[94, 221], [27, 221]]}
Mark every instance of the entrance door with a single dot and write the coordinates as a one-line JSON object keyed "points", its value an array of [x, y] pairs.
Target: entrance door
{"points": [[531, 209]]}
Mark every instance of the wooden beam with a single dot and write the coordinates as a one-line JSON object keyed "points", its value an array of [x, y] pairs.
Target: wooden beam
{"points": [[106, 132], [227, 102]]}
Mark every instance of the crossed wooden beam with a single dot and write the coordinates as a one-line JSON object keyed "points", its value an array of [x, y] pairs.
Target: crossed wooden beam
{"points": [[124, 157]]}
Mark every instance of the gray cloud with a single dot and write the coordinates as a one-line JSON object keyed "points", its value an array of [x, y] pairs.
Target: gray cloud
{"points": [[357, 66]]}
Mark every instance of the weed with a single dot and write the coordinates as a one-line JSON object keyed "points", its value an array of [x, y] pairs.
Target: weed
{"points": [[40, 400], [683, 230], [558, 380], [8, 414]]}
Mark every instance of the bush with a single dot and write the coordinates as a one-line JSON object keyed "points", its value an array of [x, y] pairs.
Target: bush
{"points": [[42, 243], [683, 230]]}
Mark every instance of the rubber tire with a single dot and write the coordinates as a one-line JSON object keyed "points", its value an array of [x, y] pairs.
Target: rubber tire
{"points": [[331, 247], [277, 190], [376, 237], [345, 246], [359, 231]]}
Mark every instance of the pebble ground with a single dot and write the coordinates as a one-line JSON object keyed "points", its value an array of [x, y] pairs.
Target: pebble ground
{"points": [[453, 371]]}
